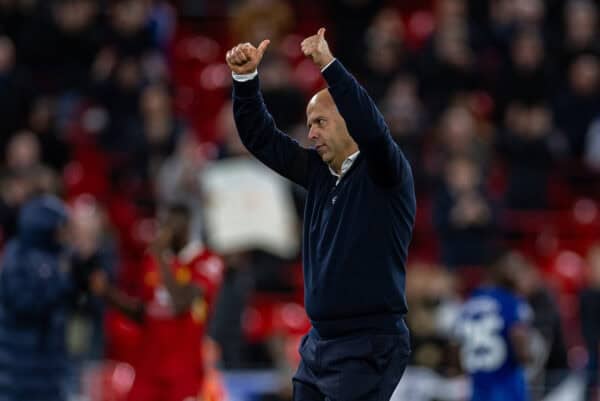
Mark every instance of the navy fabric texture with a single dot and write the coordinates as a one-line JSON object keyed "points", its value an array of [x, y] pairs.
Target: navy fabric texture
{"points": [[352, 368], [34, 290], [356, 234]]}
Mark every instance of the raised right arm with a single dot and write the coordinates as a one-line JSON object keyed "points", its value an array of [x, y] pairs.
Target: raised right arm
{"points": [[255, 125], [263, 139]]}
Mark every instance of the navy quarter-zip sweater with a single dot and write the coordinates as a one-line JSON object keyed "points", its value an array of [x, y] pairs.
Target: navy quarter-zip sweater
{"points": [[356, 234]]}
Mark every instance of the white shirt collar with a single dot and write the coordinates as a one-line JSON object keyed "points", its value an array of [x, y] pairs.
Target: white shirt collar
{"points": [[345, 166]]}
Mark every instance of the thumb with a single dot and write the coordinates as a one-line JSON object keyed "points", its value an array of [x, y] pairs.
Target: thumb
{"points": [[321, 33], [263, 46]]}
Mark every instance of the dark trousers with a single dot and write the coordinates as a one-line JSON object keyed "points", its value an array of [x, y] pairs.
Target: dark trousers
{"points": [[365, 367]]}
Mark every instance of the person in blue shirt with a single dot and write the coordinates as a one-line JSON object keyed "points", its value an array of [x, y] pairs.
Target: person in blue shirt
{"points": [[494, 335], [358, 221]]}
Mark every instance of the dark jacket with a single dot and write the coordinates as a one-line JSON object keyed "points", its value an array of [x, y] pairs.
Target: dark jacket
{"points": [[34, 289], [356, 233]]}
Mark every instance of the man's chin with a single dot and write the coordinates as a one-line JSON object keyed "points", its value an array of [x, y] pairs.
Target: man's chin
{"points": [[326, 158]]}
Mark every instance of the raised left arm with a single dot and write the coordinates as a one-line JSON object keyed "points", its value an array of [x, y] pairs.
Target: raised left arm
{"points": [[387, 164]]}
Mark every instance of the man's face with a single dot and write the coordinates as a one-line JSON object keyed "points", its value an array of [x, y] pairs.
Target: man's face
{"points": [[327, 130]]}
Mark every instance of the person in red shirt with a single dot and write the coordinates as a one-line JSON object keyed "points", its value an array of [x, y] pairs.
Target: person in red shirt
{"points": [[180, 281]]}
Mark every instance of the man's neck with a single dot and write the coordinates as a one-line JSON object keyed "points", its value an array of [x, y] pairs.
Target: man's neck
{"points": [[336, 165]]}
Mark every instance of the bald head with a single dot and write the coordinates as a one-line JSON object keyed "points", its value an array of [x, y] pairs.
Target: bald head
{"points": [[322, 99], [328, 131]]}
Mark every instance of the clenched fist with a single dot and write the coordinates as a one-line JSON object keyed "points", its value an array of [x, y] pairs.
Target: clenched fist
{"points": [[244, 58], [317, 49]]}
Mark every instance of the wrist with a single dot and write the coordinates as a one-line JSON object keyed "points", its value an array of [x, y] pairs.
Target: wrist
{"points": [[325, 62]]}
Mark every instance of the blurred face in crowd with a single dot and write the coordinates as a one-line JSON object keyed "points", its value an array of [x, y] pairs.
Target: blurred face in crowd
{"points": [[501, 12], [529, 12], [227, 131], [129, 75], [384, 41], [7, 55], [581, 21], [593, 259], [462, 175], [530, 121], [451, 44], [457, 129], [584, 75], [275, 72], [401, 106], [15, 189], [155, 100], [86, 228], [41, 114], [449, 9], [74, 15], [327, 130], [129, 16], [527, 51], [387, 24], [23, 151]]}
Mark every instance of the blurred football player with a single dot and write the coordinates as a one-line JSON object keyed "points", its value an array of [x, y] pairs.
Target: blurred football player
{"points": [[493, 332], [180, 281]]}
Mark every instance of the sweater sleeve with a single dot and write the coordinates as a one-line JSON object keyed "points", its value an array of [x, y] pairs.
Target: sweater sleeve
{"points": [[366, 125], [263, 139]]}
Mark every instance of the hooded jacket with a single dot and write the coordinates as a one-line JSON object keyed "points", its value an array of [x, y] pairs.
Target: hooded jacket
{"points": [[34, 291]]}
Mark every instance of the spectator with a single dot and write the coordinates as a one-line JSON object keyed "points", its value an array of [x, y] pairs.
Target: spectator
{"points": [[434, 306], [529, 147], [23, 151], [255, 20], [178, 179], [406, 117], [161, 129], [589, 307], [550, 366], [581, 30], [16, 187], [352, 19], [55, 150], [15, 91], [129, 30], [36, 290], [578, 104], [13, 15], [60, 45], [285, 99], [93, 249], [229, 141], [528, 76], [458, 135], [447, 65], [464, 216], [385, 54]]}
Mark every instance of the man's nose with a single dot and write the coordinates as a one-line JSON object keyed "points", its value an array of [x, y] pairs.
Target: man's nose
{"points": [[313, 134]]}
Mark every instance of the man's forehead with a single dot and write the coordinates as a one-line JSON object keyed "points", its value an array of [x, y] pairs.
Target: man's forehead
{"points": [[320, 101]]}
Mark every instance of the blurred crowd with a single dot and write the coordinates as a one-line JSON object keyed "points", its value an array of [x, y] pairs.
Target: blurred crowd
{"points": [[118, 106]]}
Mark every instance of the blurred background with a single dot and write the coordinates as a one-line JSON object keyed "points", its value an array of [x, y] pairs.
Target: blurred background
{"points": [[121, 106]]}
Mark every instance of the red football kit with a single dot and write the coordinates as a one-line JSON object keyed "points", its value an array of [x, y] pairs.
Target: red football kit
{"points": [[170, 367]]}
